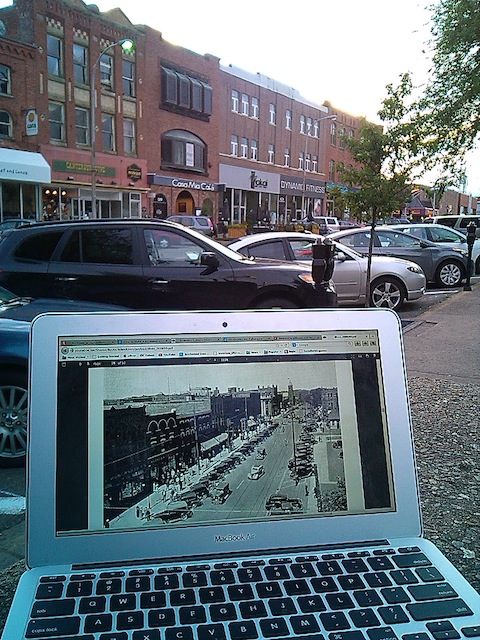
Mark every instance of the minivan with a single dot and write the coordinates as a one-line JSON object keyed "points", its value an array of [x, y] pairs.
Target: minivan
{"points": [[200, 223], [459, 222]]}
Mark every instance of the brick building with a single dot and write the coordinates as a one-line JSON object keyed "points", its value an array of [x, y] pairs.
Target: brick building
{"points": [[174, 131]]}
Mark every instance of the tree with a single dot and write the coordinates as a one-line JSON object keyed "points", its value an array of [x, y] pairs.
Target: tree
{"points": [[448, 113]]}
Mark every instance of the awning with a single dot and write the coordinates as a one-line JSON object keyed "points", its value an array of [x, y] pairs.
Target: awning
{"points": [[24, 166]]}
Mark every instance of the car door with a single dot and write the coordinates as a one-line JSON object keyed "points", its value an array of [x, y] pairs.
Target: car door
{"points": [[98, 263], [348, 276], [182, 273], [401, 245]]}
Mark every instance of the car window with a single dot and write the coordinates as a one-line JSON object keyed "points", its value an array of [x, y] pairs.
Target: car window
{"points": [[99, 246], [302, 249], [444, 235], [392, 239], [464, 222], [273, 250], [418, 232], [38, 247], [201, 221], [361, 239], [169, 247], [448, 222]]}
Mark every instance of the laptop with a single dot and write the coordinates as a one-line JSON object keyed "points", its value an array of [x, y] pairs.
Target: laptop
{"points": [[227, 476]]}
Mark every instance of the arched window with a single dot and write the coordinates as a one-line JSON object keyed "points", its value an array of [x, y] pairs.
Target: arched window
{"points": [[183, 150], [6, 127]]}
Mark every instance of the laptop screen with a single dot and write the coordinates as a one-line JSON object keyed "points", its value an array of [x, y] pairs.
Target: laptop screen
{"points": [[162, 431]]}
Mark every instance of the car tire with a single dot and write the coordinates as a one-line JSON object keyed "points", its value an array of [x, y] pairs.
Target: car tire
{"points": [[449, 274], [279, 303], [387, 292], [477, 266], [13, 417]]}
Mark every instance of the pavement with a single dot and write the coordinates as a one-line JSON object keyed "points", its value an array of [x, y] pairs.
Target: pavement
{"points": [[442, 343]]}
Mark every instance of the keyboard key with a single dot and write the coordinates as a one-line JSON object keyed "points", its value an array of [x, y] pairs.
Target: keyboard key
{"points": [[274, 628], [219, 612], [49, 590], [243, 630], [277, 573], [380, 563], [125, 602], [196, 579], [471, 632], [251, 574], [435, 591], [240, 592], [382, 633], [166, 581], [154, 600], [109, 586], [179, 633], [393, 614], [346, 635], [338, 601], [141, 583], [309, 604], [304, 570], [146, 634], [282, 606], [268, 590], [180, 597], [211, 632], [364, 618], [222, 577], [98, 623], [430, 574], [443, 630], [296, 587], [395, 595], [356, 565], [404, 577], [334, 621], [161, 618], [410, 560], [192, 615], [416, 636], [80, 588], [351, 582], [92, 605], [253, 609], [304, 624], [211, 595], [53, 627], [130, 620], [439, 609], [53, 608], [377, 579], [367, 598], [324, 585], [329, 568]]}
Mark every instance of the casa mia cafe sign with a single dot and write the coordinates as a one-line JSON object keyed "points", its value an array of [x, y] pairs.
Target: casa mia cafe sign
{"points": [[183, 183], [262, 181]]}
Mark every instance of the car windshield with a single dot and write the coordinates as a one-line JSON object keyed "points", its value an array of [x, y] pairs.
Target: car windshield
{"points": [[6, 296]]}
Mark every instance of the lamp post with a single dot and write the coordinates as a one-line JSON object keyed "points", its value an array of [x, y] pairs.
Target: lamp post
{"points": [[126, 45], [330, 117]]}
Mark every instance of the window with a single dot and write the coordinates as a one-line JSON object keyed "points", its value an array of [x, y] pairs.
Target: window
{"points": [[245, 104], [288, 119], [272, 114], [106, 71], [183, 150], [168, 247], [234, 145], [315, 164], [286, 157], [273, 250], [56, 118], [5, 80], [184, 94], [307, 162], [254, 149], [235, 100], [80, 64], [271, 153], [244, 148], [302, 124], [54, 56], [81, 126], [342, 138], [38, 247], [6, 125], [254, 108], [129, 145], [315, 128], [331, 170], [333, 134], [128, 78], [309, 126], [108, 133], [301, 158], [99, 246]]}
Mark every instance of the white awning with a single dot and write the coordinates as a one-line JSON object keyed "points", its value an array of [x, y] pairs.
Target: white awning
{"points": [[24, 166]]}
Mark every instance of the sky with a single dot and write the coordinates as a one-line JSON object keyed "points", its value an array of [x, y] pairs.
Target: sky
{"points": [[343, 51]]}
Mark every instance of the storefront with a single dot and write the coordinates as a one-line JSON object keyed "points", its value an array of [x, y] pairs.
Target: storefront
{"points": [[170, 196], [121, 190], [300, 198], [251, 196], [21, 175]]}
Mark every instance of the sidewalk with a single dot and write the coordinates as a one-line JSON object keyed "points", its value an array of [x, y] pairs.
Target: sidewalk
{"points": [[444, 342]]}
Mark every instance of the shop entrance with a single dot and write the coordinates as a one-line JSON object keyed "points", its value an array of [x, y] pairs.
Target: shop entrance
{"points": [[185, 203]]}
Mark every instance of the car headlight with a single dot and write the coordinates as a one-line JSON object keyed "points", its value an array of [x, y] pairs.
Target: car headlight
{"points": [[306, 277], [463, 252], [414, 268]]}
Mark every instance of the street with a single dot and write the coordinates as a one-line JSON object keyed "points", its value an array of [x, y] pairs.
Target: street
{"points": [[12, 480]]}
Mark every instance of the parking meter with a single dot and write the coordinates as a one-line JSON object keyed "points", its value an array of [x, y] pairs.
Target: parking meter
{"points": [[322, 270], [471, 235]]}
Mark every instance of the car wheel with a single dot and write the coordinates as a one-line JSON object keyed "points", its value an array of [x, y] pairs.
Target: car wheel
{"points": [[13, 418], [477, 266], [387, 292], [270, 303], [449, 274]]}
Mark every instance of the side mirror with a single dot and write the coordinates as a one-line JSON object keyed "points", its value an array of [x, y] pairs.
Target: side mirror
{"points": [[209, 259], [340, 256]]}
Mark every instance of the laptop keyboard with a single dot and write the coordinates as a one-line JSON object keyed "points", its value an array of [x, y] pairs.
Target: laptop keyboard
{"points": [[358, 595]]}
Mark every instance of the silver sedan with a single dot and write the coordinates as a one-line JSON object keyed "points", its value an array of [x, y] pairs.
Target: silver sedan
{"points": [[393, 281]]}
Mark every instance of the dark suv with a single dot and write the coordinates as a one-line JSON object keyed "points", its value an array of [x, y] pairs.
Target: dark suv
{"points": [[145, 264]]}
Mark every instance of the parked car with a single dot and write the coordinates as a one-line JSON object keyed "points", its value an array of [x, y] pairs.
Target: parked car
{"points": [[442, 265], [15, 317], [202, 224], [459, 222], [393, 281], [327, 224], [13, 223], [444, 236], [145, 264]]}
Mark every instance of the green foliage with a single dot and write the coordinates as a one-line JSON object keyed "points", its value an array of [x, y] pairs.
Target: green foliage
{"points": [[448, 114]]}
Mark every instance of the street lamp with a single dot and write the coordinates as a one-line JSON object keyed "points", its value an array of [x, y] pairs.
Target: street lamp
{"points": [[330, 117], [126, 45]]}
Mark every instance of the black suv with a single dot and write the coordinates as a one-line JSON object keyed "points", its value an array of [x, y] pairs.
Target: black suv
{"points": [[143, 264]]}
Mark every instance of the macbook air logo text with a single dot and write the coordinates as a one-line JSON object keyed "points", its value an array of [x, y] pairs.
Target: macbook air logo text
{"points": [[239, 537]]}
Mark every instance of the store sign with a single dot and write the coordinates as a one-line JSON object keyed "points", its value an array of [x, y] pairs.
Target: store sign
{"points": [[295, 186], [184, 183], [134, 172], [249, 180], [31, 123], [83, 167]]}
